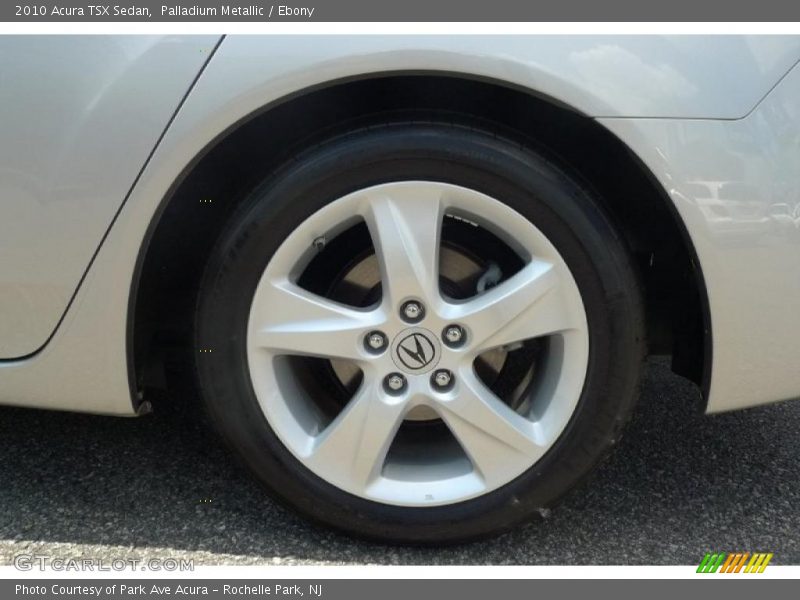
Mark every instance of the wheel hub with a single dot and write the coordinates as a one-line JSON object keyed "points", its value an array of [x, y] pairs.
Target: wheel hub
{"points": [[416, 351]]}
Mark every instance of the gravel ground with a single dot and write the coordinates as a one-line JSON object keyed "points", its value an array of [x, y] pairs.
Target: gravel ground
{"points": [[679, 484]]}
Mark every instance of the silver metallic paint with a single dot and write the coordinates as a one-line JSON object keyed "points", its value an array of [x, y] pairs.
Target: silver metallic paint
{"points": [[84, 366], [80, 114], [736, 186]]}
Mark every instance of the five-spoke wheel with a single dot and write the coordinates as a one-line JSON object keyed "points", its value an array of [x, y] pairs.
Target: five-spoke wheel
{"points": [[405, 362], [420, 332]]}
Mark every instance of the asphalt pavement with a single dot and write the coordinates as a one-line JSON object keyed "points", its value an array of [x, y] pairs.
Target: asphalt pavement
{"points": [[679, 484]]}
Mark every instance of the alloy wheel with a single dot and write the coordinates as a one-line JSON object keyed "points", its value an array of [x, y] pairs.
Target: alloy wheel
{"points": [[417, 350]]}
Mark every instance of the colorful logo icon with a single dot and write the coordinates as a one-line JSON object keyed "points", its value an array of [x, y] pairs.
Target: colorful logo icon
{"points": [[737, 562]]}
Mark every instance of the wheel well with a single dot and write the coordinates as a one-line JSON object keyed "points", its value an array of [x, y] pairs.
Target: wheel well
{"points": [[199, 206]]}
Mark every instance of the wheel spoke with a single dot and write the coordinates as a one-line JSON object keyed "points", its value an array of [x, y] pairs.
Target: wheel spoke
{"points": [[295, 321], [530, 304], [355, 451], [354, 446], [405, 229], [496, 439]]}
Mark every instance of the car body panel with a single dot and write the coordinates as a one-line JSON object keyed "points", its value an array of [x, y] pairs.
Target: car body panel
{"points": [[76, 130], [85, 365], [736, 185], [721, 77]]}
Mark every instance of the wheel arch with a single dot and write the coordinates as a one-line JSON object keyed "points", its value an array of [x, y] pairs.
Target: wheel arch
{"points": [[180, 237]]}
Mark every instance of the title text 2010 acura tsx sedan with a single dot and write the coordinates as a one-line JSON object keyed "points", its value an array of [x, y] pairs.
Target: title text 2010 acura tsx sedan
{"points": [[417, 276]]}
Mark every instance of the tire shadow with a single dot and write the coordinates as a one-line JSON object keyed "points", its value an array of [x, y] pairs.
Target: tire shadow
{"points": [[679, 484]]}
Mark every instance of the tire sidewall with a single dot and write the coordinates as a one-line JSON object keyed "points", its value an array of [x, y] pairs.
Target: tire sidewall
{"points": [[555, 201]]}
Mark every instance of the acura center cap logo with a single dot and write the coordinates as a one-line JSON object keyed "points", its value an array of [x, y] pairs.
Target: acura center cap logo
{"points": [[416, 350]]}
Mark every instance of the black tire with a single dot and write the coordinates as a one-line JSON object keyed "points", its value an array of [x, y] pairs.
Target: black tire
{"points": [[555, 200]]}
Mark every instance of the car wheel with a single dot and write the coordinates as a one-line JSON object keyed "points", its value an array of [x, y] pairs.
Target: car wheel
{"points": [[420, 333]]}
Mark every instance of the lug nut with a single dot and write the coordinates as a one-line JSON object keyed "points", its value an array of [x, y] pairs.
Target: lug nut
{"points": [[376, 341], [412, 311], [453, 335], [395, 382], [442, 379]]}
